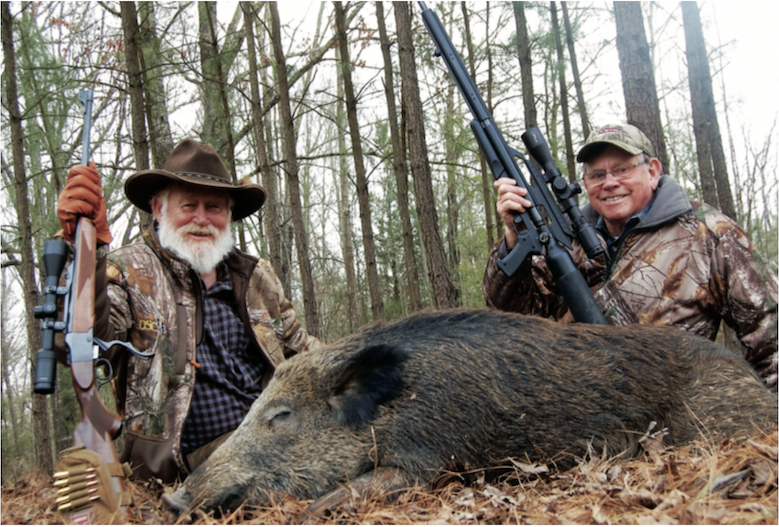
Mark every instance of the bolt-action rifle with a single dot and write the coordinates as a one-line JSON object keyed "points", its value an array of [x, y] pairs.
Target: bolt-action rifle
{"points": [[536, 235], [99, 426]]}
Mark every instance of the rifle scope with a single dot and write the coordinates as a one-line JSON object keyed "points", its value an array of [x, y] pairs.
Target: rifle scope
{"points": [[55, 253], [539, 149]]}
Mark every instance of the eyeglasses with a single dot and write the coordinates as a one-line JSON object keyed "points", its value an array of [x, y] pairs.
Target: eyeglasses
{"points": [[620, 173]]}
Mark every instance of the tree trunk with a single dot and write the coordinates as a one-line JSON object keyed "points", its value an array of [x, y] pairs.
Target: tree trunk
{"points": [[5, 357], [401, 173], [525, 65], [344, 201], [270, 209], [638, 78], [138, 120], [301, 238], [363, 197], [40, 419], [443, 292], [711, 156], [217, 122], [569, 158], [577, 81], [486, 177], [160, 137], [490, 81], [214, 116], [452, 207], [274, 180]]}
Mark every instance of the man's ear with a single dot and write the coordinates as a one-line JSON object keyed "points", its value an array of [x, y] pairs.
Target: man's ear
{"points": [[156, 207], [655, 171]]}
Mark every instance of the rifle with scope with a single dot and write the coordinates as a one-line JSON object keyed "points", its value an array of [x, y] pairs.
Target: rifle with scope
{"points": [[98, 426], [536, 235]]}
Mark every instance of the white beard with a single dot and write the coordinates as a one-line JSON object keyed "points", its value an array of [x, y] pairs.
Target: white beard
{"points": [[203, 256]]}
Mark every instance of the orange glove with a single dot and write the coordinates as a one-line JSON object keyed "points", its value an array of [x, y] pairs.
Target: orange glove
{"points": [[83, 196]]}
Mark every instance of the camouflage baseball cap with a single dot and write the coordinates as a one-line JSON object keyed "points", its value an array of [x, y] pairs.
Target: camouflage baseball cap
{"points": [[624, 136]]}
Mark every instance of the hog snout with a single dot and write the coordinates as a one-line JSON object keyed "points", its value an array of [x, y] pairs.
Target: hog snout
{"points": [[228, 497], [179, 500]]}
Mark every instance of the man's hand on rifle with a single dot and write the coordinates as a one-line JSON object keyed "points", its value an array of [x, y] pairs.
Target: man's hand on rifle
{"points": [[83, 196], [511, 200]]}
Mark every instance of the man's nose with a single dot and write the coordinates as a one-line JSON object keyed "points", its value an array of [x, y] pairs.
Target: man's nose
{"points": [[200, 217], [610, 180]]}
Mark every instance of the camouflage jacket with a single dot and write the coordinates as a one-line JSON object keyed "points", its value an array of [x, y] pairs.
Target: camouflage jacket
{"points": [[154, 301], [684, 264]]}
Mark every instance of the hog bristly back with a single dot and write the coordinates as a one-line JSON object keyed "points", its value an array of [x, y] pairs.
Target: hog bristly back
{"points": [[483, 386]]}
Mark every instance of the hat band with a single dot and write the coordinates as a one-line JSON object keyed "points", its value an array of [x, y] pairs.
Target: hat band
{"points": [[208, 177]]}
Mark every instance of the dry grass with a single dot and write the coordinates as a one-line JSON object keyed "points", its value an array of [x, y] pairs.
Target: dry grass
{"points": [[701, 483]]}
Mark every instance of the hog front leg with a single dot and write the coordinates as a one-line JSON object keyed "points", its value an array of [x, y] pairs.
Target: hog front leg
{"points": [[384, 483]]}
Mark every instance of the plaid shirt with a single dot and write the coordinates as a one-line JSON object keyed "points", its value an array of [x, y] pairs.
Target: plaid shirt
{"points": [[228, 379]]}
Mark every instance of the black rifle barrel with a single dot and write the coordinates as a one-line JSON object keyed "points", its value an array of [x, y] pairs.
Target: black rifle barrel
{"points": [[535, 234]]}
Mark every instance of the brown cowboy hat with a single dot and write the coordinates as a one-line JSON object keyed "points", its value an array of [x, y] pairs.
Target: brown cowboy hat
{"points": [[196, 164]]}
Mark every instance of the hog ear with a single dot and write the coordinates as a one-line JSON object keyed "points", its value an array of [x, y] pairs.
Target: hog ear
{"points": [[369, 378]]}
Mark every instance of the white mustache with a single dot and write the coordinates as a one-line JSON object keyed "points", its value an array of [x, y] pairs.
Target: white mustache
{"points": [[200, 231]]}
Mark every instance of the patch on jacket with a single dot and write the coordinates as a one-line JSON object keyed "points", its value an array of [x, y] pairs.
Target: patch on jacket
{"points": [[150, 324]]}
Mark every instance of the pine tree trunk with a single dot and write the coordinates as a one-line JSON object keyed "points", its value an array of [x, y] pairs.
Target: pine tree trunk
{"points": [[525, 65], [498, 222], [486, 176], [638, 78], [157, 122], [569, 158], [274, 180], [40, 419], [160, 139], [214, 115], [711, 156], [270, 212], [452, 207], [301, 238], [399, 167], [577, 81], [5, 344], [344, 203], [363, 197], [440, 280], [217, 122], [137, 113]]}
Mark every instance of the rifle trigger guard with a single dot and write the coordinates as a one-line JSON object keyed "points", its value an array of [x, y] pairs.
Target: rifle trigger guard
{"points": [[105, 345], [103, 380]]}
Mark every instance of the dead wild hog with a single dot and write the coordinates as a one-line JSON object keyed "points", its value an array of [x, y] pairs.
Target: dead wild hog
{"points": [[471, 388]]}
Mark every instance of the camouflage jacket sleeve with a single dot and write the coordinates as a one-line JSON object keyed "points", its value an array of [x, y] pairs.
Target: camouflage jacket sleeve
{"points": [[532, 289], [746, 292], [269, 293], [296, 339]]}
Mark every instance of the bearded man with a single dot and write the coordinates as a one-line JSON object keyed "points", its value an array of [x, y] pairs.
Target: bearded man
{"points": [[216, 318]]}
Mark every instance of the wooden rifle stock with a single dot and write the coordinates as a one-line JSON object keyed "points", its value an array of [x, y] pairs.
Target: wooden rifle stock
{"points": [[99, 426]]}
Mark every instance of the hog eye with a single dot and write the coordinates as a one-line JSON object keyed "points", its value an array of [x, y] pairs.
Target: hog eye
{"points": [[279, 417]]}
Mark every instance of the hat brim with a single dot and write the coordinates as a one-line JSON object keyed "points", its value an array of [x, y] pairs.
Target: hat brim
{"points": [[141, 186], [587, 151]]}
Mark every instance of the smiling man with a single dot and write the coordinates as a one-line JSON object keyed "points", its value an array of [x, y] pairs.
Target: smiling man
{"points": [[670, 261], [215, 317]]}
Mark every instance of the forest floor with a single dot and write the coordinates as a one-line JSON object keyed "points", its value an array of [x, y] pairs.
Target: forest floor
{"points": [[728, 483]]}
